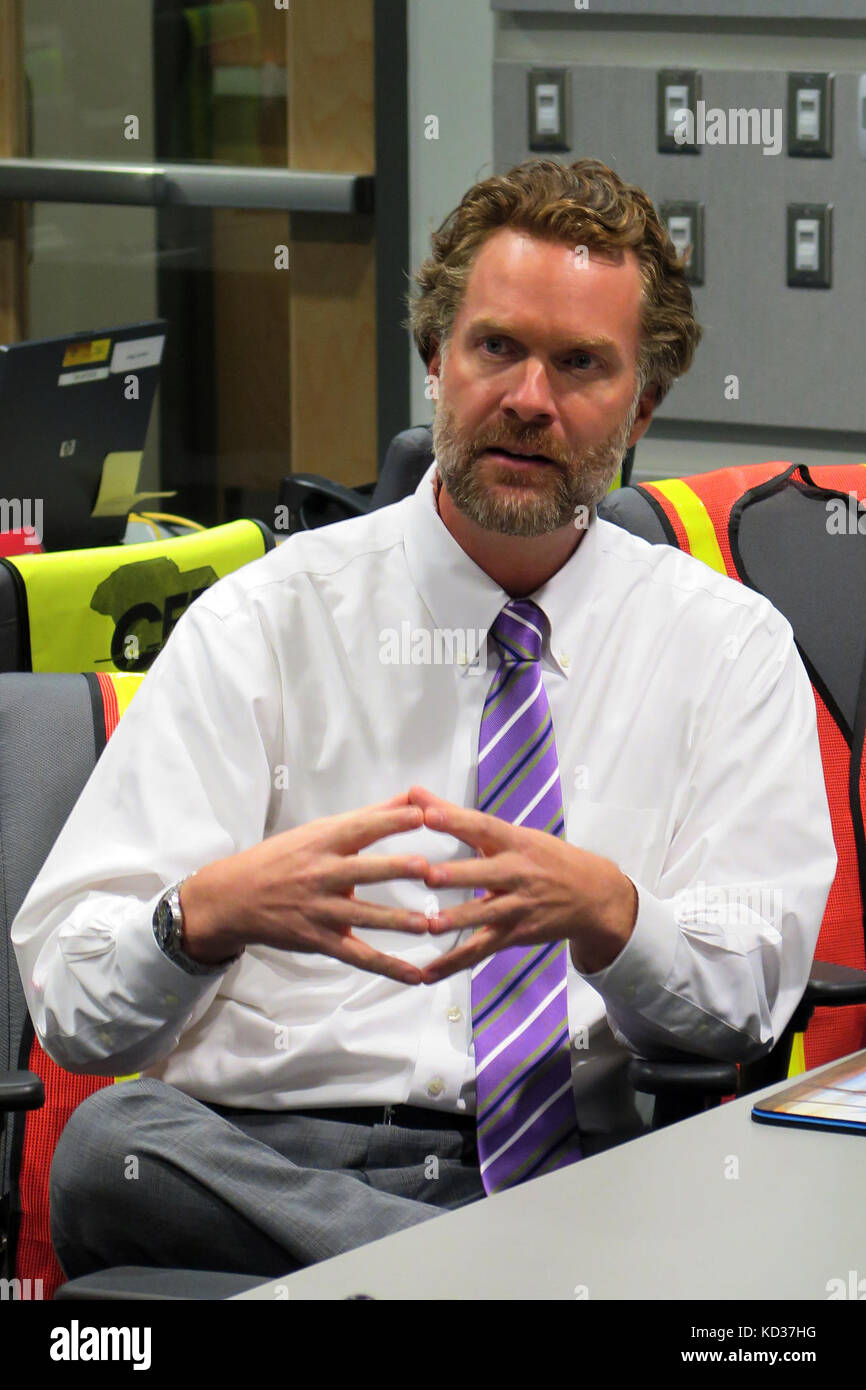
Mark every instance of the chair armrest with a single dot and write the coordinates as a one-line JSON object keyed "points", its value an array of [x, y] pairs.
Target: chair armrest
{"points": [[682, 1088], [706, 1078], [21, 1090], [831, 986], [299, 490]]}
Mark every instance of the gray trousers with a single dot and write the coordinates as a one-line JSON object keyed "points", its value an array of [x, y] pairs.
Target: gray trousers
{"points": [[146, 1175]]}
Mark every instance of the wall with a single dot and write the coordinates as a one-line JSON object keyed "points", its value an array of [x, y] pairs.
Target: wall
{"points": [[453, 44]]}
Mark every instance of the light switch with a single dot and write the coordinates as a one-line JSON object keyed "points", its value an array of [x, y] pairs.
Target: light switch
{"points": [[685, 224], [547, 95], [677, 90], [676, 100], [681, 234], [809, 229], [547, 113], [810, 114], [806, 239]]}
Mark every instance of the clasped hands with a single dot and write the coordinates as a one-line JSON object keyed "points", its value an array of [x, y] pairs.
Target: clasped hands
{"points": [[537, 888]]}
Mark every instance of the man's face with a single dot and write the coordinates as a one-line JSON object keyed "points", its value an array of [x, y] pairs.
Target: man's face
{"points": [[543, 360]]}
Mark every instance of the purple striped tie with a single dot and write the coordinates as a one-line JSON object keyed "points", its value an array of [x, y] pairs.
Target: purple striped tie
{"points": [[525, 1106]]}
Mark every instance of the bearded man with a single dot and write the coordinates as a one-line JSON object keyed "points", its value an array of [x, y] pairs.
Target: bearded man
{"points": [[381, 937]]}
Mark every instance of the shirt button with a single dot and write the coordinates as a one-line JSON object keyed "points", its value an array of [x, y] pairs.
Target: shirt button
{"points": [[455, 1014], [436, 1086], [564, 659]]}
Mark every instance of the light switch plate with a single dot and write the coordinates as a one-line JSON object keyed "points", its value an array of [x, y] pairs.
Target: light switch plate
{"points": [[809, 229], [681, 217], [810, 115], [549, 117]]}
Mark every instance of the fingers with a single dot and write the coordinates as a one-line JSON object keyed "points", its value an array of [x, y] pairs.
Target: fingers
{"points": [[352, 951], [481, 944], [483, 832], [376, 868], [497, 910], [355, 912], [356, 829]]}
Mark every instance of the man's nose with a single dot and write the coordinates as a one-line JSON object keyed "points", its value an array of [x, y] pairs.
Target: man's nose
{"points": [[528, 393]]}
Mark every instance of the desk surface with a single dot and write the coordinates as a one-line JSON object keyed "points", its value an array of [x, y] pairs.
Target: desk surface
{"points": [[716, 1207]]}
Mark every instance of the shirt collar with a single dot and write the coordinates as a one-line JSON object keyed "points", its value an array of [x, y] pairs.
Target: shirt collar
{"points": [[459, 594]]}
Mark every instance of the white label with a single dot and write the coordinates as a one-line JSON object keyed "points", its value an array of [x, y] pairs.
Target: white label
{"points": [[138, 352], [86, 374]]}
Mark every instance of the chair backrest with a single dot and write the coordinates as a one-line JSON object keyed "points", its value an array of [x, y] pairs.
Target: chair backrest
{"points": [[798, 536], [111, 608], [52, 730]]}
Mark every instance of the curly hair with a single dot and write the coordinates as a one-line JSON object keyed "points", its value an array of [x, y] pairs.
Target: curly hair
{"points": [[581, 204]]}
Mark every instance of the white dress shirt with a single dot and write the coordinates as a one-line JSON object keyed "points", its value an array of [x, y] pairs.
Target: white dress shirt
{"points": [[688, 752]]}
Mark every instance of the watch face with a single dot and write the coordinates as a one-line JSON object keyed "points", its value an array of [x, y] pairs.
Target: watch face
{"points": [[164, 921]]}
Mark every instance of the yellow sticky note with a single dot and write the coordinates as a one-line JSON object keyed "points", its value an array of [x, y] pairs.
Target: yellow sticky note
{"points": [[118, 485]]}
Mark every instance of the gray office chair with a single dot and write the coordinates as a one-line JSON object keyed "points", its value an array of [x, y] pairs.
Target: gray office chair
{"points": [[51, 732]]}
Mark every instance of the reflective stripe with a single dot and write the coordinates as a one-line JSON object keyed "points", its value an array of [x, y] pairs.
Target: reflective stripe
{"points": [[696, 522], [125, 685], [798, 1056], [118, 688]]}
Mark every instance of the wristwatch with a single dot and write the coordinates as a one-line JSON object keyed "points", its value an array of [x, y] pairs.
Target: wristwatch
{"points": [[168, 930]]}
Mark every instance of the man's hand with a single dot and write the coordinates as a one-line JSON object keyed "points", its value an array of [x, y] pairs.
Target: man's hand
{"points": [[296, 891], [539, 888]]}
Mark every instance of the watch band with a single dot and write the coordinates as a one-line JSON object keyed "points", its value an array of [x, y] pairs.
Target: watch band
{"points": [[168, 930]]}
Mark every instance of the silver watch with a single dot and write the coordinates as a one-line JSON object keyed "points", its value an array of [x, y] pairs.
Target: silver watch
{"points": [[168, 930]]}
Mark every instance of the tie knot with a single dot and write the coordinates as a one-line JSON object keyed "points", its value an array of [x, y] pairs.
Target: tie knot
{"points": [[519, 630]]}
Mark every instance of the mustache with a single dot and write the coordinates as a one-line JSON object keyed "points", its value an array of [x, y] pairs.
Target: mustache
{"points": [[521, 446]]}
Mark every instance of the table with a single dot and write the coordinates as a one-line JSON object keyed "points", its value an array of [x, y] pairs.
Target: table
{"points": [[716, 1207]]}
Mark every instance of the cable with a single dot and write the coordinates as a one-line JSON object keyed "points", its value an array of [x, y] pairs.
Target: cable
{"points": [[139, 516], [168, 516]]}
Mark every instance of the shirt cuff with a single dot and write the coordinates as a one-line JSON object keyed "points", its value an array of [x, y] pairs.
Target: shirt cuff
{"points": [[149, 973], [646, 959]]}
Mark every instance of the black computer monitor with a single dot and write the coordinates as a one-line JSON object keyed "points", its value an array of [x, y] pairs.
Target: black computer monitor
{"points": [[74, 413]]}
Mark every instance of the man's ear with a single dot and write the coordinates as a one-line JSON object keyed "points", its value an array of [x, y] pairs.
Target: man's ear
{"points": [[645, 407]]}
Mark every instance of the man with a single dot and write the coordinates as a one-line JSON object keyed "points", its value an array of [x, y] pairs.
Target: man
{"points": [[352, 1019]]}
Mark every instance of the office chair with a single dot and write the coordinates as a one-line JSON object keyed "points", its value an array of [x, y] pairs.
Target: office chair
{"points": [[756, 524], [112, 607], [53, 727], [680, 1088]]}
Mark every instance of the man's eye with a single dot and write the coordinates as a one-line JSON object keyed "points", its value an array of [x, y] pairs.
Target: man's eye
{"points": [[587, 357]]}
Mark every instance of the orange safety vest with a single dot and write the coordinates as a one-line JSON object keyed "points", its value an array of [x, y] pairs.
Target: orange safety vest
{"points": [[709, 516]]}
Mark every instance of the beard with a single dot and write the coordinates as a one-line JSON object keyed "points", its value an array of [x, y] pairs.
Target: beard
{"points": [[538, 501]]}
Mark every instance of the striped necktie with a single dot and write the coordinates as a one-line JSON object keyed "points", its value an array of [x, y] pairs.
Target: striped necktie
{"points": [[525, 1107]]}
